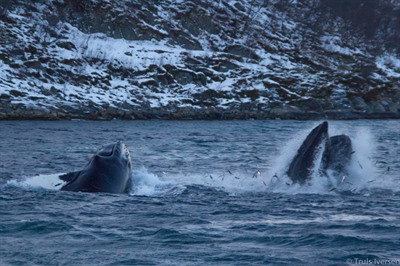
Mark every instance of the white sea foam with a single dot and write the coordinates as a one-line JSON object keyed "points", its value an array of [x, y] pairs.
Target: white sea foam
{"points": [[50, 181], [145, 183]]}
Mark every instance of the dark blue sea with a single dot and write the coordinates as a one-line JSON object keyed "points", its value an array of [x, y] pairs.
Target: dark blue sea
{"points": [[204, 193]]}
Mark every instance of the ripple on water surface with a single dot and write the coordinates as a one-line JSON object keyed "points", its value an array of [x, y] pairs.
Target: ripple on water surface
{"points": [[202, 195]]}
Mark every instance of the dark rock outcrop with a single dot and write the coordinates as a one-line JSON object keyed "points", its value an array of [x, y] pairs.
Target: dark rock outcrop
{"points": [[199, 59]]}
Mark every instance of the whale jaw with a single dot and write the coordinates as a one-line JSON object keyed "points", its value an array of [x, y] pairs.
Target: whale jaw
{"points": [[336, 155], [301, 166]]}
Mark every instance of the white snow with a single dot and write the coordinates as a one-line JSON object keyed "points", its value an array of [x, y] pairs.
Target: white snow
{"points": [[389, 64], [96, 52], [334, 44]]}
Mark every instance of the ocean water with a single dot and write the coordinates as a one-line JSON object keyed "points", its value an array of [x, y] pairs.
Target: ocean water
{"points": [[204, 193]]}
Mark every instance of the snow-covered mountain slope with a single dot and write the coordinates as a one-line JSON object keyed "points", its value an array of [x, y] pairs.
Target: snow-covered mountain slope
{"points": [[100, 59]]}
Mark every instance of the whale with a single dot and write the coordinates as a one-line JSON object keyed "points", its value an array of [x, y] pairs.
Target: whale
{"points": [[109, 170], [336, 155], [300, 168]]}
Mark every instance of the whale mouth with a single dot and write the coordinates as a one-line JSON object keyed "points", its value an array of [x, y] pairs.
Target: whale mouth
{"points": [[107, 150], [118, 148], [115, 150], [112, 149], [121, 148]]}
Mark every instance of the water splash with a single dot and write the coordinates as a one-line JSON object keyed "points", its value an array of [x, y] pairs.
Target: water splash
{"points": [[362, 172], [145, 183], [50, 181]]}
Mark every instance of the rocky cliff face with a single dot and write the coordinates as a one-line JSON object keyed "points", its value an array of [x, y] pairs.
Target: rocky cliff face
{"points": [[100, 59]]}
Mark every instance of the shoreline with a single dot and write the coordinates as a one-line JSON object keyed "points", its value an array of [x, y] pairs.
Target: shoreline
{"points": [[183, 113]]}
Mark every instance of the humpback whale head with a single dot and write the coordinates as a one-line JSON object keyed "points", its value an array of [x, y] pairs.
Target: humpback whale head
{"points": [[115, 151], [336, 155], [109, 170]]}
